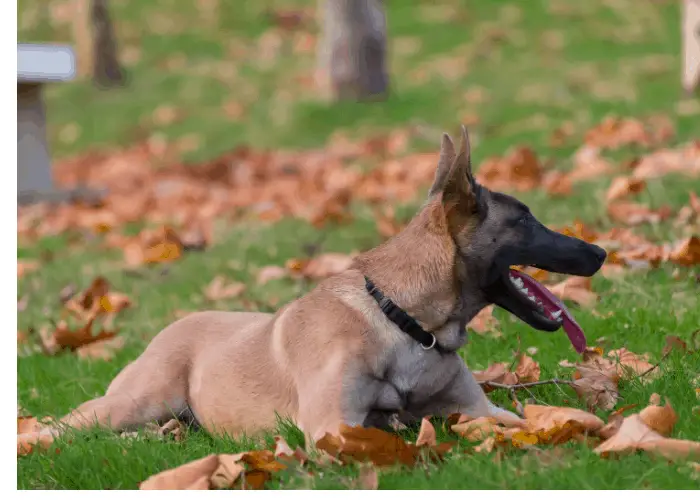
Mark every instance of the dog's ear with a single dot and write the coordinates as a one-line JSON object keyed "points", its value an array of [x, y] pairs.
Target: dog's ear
{"points": [[447, 158], [460, 191]]}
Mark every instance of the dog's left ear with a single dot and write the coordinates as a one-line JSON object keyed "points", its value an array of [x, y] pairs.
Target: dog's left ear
{"points": [[447, 159], [460, 191]]}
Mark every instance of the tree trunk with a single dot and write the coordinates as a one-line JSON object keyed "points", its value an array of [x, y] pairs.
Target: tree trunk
{"points": [[352, 51], [106, 71]]}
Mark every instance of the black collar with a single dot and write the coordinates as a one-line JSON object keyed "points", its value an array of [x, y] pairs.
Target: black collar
{"points": [[401, 318]]}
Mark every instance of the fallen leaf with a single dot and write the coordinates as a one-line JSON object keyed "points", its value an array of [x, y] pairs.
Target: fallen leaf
{"points": [[686, 252], [251, 469], [520, 170], [184, 477], [478, 429], [576, 289], [25, 266], [322, 266], [635, 435], [219, 289], [283, 450], [622, 187], [368, 478], [553, 424], [484, 322], [527, 370], [102, 349], [26, 443], [426, 434], [596, 389], [674, 343], [487, 446], [662, 419], [632, 214], [271, 273], [630, 364], [498, 373], [376, 446]]}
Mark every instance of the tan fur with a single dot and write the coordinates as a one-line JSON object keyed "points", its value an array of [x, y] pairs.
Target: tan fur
{"points": [[327, 358]]}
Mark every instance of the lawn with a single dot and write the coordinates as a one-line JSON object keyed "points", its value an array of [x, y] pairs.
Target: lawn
{"points": [[208, 81]]}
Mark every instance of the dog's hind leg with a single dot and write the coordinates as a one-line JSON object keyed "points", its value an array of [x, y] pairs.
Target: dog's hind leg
{"points": [[142, 392]]}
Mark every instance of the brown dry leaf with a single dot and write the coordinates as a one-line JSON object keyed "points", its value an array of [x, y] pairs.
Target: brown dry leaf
{"points": [[102, 349], [576, 289], [26, 442], [686, 252], [368, 478], [322, 266], [527, 370], [487, 446], [596, 389], [66, 337], [630, 365], [497, 372], [153, 247], [426, 434], [376, 446], [271, 273], [478, 429], [674, 343], [614, 132], [635, 435], [251, 469], [219, 289], [96, 301], [588, 164], [632, 214], [198, 472], [25, 266], [519, 170], [27, 424], [484, 322], [662, 419], [557, 183], [621, 187], [283, 450], [552, 420]]}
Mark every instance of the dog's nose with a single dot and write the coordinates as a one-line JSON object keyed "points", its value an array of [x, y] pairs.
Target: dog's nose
{"points": [[600, 254]]}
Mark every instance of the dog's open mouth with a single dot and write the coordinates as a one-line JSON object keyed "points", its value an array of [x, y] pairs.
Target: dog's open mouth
{"points": [[533, 303]]}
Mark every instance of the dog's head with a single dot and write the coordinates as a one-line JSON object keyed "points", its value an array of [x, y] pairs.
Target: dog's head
{"points": [[492, 232]]}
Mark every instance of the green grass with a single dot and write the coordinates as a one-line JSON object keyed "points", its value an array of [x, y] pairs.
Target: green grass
{"points": [[610, 62]]}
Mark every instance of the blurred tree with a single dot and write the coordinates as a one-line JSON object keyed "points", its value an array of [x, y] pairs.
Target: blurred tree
{"points": [[352, 50], [691, 45], [106, 71]]}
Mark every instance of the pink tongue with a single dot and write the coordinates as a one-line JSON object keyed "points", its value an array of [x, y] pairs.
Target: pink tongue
{"points": [[551, 304]]}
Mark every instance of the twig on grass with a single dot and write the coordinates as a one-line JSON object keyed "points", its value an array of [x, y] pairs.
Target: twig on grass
{"points": [[655, 366], [518, 405], [525, 385]]}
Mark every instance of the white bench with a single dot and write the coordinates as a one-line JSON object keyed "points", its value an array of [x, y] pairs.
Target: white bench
{"points": [[37, 65]]}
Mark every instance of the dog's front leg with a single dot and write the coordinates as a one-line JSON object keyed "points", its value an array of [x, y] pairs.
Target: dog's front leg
{"points": [[464, 395]]}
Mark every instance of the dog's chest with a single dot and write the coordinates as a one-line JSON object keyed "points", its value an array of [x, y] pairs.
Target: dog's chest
{"points": [[418, 375]]}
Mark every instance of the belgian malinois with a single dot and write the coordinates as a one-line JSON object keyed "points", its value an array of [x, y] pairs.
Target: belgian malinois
{"points": [[377, 340]]}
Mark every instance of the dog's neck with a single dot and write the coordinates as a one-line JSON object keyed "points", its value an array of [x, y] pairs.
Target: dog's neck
{"points": [[415, 269]]}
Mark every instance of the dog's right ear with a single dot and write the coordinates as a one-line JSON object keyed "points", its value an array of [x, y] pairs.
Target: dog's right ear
{"points": [[447, 158]]}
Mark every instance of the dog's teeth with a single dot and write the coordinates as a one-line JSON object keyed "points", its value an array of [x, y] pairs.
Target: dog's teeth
{"points": [[556, 314], [518, 282]]}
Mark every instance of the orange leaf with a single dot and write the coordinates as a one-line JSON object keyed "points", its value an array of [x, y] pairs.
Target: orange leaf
{"points": [[621, 187], [527, 370], [426, 435], [576, 289]]}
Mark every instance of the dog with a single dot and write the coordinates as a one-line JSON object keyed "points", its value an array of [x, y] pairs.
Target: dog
{"points": [[375, 341]]}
